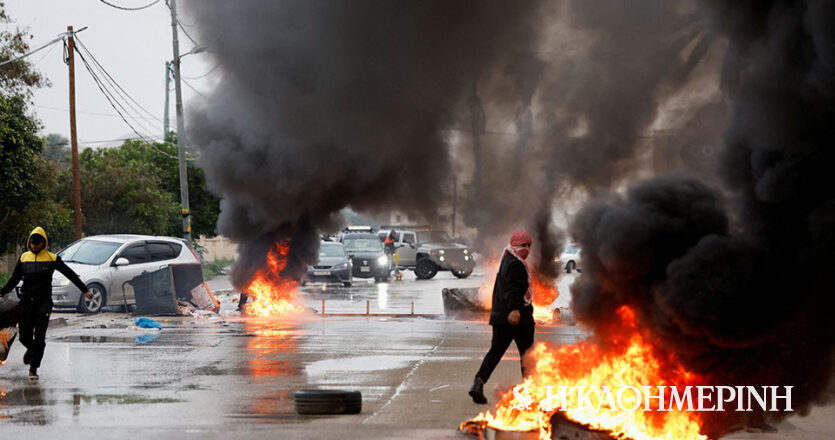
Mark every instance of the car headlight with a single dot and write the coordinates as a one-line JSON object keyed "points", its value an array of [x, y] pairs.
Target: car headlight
{"points": [[382, 260], [441, 251], [442, 258], [466, 258], [342, 266], [466, 251], [60, 281]]}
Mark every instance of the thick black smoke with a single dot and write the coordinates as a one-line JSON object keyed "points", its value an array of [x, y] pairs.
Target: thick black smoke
{"points": [[324, 105], [743, 295]]}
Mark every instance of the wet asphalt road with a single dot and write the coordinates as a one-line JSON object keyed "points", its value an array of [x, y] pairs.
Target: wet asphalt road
{"points": [[233, 377]]}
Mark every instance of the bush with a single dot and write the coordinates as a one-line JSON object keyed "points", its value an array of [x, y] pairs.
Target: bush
{"points": [[211, 270]]}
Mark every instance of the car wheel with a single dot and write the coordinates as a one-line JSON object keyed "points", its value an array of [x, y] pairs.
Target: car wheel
{"points": [[425, 269], [569, 267], [94, 304], [328, 402], [464, 273]]}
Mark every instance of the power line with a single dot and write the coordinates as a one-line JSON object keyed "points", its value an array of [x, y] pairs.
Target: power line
{"points": [[114, 83], [180, 23], [192, 88], [33, 51], [203, 75], [110, 99], [83, 112], [129, 9]]}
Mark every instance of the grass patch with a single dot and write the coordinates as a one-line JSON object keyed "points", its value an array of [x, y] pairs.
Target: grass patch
{"points": [[211, 270], [4, 276], [210, 370]]}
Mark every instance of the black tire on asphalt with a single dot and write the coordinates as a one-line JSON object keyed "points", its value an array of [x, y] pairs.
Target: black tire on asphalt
{"points": [[92, 305], [462, 273], [569, 267], [328, 402], [425, 269]]}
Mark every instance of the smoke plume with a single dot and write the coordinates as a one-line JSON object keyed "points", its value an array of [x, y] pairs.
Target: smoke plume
{"points": [[324, 105], [741, 290]]}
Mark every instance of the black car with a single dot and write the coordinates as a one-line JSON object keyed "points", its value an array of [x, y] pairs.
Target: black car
{"points": [[367, 255]]}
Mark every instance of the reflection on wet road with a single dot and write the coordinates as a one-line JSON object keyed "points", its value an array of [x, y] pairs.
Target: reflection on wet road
{"points": [[233, 376]]}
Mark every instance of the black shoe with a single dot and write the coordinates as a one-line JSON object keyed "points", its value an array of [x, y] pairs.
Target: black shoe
{"points": [[33, 374], [27, 357], [477, 391]]}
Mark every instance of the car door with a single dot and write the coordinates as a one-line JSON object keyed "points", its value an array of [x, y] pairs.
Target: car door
{"points": [[407, 249], [139, 262]]}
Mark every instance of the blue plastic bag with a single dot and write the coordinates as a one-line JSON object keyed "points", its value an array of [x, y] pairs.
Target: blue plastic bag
{"points": [[147, 323]]}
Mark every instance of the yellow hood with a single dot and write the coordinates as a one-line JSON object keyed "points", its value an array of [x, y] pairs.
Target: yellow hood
{"points": [[37, 231]]}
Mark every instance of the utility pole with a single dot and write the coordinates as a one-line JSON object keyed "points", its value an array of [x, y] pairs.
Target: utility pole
{"points": [[167, 88], [181, 134], [76, 175]]}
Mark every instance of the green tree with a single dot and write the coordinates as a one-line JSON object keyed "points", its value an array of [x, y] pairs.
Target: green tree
{"points": [[19, 150], [56, 148], [204, 205], [18, 77], [122, 196]]}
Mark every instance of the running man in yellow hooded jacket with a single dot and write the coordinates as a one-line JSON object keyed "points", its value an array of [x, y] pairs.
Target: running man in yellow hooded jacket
{"points": [[35, 267]]}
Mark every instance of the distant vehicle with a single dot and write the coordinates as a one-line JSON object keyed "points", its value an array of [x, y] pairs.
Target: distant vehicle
{"points": [[367, 255], [334, 265], [106, 262], [427, 251], [570, 258]]}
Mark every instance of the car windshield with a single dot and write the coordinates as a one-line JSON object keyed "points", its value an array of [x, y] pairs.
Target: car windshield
{"points": [[331, 251], [89, 252], [362, 244], [572, 249], [433, 237]]}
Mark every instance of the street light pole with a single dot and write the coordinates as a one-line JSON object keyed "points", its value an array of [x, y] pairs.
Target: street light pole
{"points": [[181, 135]]}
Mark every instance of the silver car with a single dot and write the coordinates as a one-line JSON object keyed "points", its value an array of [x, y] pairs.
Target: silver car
{"points": [[333, 265], [106, 262]]}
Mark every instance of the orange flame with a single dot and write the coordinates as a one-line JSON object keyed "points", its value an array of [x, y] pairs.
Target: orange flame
{"points": [[634, 363], [272, 294], [543, 294]]}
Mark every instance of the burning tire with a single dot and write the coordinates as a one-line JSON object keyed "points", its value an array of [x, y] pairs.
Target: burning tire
{"points": [[328, 402], [462, 273], [425, 269]]}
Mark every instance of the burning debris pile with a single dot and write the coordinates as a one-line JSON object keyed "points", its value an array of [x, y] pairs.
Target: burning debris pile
{"points": [[272, 293]]}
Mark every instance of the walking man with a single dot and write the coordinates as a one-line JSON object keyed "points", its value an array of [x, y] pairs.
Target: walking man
{"points": [[512, 313], [35, 267]]}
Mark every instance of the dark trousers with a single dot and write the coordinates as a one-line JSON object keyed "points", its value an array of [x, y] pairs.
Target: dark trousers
{"points": [[522, 334], [32, 327]]}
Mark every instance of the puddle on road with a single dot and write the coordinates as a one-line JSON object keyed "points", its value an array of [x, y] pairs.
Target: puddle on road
{"points": [[120, 399], [96, 339]]}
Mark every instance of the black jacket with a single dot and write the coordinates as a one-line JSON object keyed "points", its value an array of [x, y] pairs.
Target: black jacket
{"points": [[36, 271], [509, 292]]}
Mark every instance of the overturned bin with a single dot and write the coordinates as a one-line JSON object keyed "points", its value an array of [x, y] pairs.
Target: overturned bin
{"points": [[157, 292]]}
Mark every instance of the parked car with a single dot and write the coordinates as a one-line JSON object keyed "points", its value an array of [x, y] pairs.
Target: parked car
{"points": [[334, 265], [570, 258], [427, 251], [106, 262], [367, 255]]}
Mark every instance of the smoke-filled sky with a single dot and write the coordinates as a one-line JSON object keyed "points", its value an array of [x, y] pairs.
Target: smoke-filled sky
{"points": [[532, 105]]}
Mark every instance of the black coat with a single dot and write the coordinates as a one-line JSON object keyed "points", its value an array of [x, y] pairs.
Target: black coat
{"points": [[509, 292], [35, 269]]}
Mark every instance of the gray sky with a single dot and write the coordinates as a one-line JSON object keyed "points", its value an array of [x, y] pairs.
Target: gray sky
{"points": [[132, 46]]}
